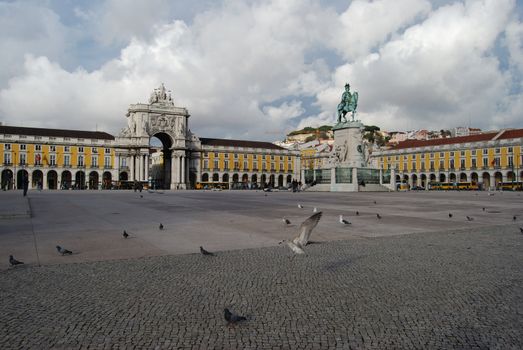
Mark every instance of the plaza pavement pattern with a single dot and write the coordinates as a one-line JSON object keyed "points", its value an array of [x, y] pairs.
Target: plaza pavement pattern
{"points": [[447, 284]]}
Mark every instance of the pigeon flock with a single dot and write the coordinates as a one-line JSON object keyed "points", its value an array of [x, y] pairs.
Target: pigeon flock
{"points": [[296, 244]]}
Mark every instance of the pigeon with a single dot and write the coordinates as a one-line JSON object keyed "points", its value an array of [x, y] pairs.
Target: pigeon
{"points": [[514, 218], [378, 216], [302, 239], [483, 208], [161, 226], [450, 215], [232, 318], [13, 261], [63, 251], [315, 210], [470, 218], [125, 234], [300, 206], [141, 196], [491, 194], [357, 213], [521, 229], [205, 252], [343, 221], [375, 202], [286, 221]]}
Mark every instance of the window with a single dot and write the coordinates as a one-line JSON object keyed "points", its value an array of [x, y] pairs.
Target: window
{"points": [[7, 158], [496, 162], [431, 164], [289, 166], [485, 162], [23, 147], [281, 165], [67, 149], [123, 162], [255, 165], [264, 166], [510, 161], [498, 150], [245, 165], [38, 147], [52, 148], [67, 160], [463, 153], [235, 155], [413, 165], [94, 150], [52, 160], [94, 161], [236, 165], [441, 154], [226, 155], [206, 163], [452, 163], [289, 158], [473, 162], [485, 151], [452, 154], [107, 151], [7, 146], [80, 160], [80, 149], [216, 164], [510, 150], [206, 154], [272, 157], [462, 163], [404, 157], [107, 162], [441, 164], [216, 154], [38, 159], [272, 166], [226, 163]]}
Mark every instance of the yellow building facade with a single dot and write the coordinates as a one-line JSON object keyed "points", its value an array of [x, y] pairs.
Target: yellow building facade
{"points": [[488, 160], [246, 164]]}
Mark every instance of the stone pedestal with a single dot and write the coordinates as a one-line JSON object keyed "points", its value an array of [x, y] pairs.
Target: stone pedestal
{"points": [[348, 144]]}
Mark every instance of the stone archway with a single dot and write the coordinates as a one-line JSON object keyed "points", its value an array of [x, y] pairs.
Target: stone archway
{"points": [[215, 177], [498, 179], [225, 178], [79, 180], [486, 180], [462, 177], [52, 180], [432, 178], [66, 182], [254, 179], [124, 176], [7, 179], [280, 181], [442, 178], [423, 180], [37, 180], [93, 180], [20, 175], [107, 180], [205, 177], [160, 119], [414, 180], [452, 177], [235, 178], [474, 178]]}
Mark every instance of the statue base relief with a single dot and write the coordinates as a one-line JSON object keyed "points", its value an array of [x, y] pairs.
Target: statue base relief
{"points": [[348, 144]]}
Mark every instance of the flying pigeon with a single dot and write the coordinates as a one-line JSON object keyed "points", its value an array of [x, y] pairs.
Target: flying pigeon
{"points": [[305, 231], [161, 226], [378, 216], [205, 252], [300, 206], [450, 215], [343, 221], [470, 218], [13, 261], [232, 318], [286, 221], [125, 234], [63, 251]]}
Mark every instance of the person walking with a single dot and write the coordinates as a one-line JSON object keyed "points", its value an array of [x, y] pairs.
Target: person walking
{"points": [[25, 184]]}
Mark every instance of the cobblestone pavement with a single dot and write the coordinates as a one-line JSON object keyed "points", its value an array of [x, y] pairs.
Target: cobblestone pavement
{"points": [[455, 289]]}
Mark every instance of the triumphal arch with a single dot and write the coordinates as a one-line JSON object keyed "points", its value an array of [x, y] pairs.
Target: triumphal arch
{"points": [[162, 119]]}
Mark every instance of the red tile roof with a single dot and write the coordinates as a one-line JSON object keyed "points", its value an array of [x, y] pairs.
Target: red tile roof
{"points": [[239, 143], [19, 130], [507, 134]]}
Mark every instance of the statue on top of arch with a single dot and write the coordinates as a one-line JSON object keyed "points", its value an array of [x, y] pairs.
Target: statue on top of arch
{"points": [[161, 95]]}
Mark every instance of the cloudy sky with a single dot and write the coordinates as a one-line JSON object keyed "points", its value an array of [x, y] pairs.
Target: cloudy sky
{"points": [[259, 69]]}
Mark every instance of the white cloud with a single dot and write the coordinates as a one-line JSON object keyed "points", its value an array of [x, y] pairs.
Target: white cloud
{"points": [[244, 70]]}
